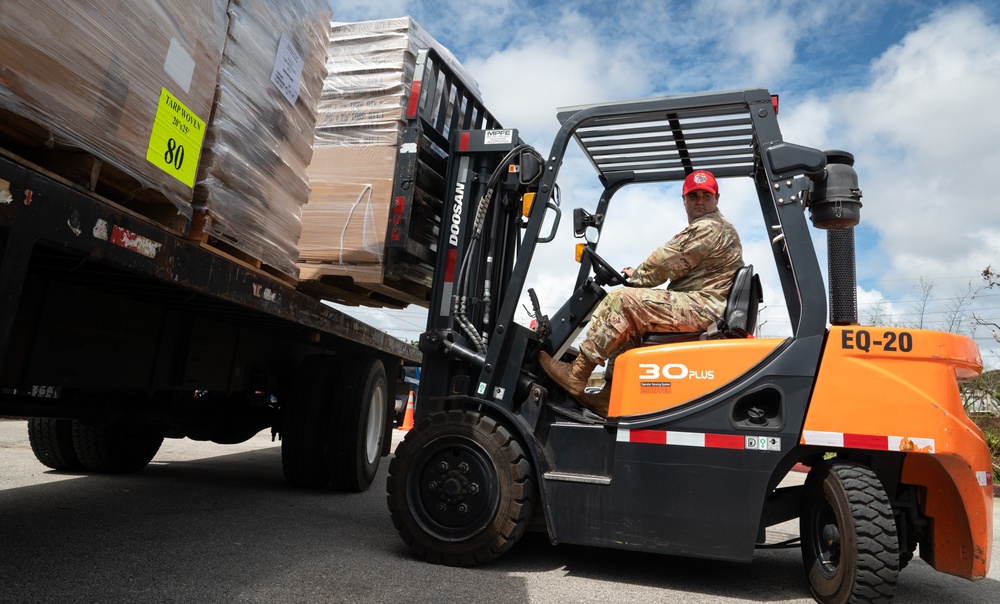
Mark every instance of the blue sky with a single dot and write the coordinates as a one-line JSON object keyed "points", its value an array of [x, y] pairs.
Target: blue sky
{"points": [[908, 86]]}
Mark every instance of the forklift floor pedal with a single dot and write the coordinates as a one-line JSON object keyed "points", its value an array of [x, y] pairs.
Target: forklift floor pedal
{"points": [[576, 412]]}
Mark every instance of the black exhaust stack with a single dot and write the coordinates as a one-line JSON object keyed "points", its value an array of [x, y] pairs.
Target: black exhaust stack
{"points": [[835, 206]]}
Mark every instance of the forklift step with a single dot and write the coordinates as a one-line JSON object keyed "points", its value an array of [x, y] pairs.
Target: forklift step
{"points": [[571, 477], [577, 413]]}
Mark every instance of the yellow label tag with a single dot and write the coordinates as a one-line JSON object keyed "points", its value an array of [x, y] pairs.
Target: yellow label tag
{"points": [[175, 143]]}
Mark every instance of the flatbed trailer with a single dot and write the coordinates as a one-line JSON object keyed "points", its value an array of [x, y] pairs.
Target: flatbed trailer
{"points": [[116, 332]]}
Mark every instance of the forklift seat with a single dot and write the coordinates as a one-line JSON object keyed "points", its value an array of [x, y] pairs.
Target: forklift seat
{"points": [[737, 321]]}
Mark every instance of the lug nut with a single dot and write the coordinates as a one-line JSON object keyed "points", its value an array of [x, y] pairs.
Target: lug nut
{"points": [[442, 507], [443, 466], [462, 508], [473, 488], [463, 467], [433, 486]]}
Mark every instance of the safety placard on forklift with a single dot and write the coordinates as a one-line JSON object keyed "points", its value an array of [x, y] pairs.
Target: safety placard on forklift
{"points": [[763, 443], [498, 137], [175, 142]]}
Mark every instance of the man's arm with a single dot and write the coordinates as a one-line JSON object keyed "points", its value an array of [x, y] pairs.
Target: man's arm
{"points": [[676, 257]]}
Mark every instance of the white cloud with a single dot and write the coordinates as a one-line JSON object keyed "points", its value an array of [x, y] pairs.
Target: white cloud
{"points": [[363, 10], [756, 42], [524, 84], [925, 132]]}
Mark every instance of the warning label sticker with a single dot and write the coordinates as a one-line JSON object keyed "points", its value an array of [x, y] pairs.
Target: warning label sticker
{"points": [[763, 443], [654, 387], [498, 137]]}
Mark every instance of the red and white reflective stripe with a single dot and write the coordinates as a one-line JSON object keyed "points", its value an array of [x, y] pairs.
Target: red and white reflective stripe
{"points": [[682, 439], [449, 281], [867, 441], [126, 239], [411, 106]]}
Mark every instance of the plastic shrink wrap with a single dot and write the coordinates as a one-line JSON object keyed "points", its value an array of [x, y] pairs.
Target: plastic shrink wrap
{"points": [[128, 82], [361, 116], [253, 179]]}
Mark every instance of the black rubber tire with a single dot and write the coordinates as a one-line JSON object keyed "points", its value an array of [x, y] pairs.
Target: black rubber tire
{"points": [[116, 448], [52, 443], [305, 437], [358, 422], [849, 543], [428, 486]]}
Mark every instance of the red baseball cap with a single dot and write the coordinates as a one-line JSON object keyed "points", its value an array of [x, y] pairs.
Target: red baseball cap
{"points": [[701, 180]]}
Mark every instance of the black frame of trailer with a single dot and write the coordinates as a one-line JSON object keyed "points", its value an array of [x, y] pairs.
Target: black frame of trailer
{"points": [[107, 319]]}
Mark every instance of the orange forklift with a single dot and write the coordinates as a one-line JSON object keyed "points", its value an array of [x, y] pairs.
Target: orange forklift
{"points": [[702, 428]]}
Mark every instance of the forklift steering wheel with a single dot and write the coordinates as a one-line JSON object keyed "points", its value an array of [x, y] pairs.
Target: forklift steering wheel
{"points": [[604, 273]]}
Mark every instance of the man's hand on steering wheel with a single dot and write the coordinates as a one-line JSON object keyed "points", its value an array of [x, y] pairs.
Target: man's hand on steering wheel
{"points": [[605, 274]]}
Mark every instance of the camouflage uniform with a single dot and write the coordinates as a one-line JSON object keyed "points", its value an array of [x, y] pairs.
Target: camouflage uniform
{"points": [[700, 263]]}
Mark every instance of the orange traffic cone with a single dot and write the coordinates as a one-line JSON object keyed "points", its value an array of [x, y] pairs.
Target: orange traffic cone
{"points": [[408, 416]]}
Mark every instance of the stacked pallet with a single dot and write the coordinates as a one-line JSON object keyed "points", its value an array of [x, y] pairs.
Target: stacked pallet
{"points": [[342, 251], [253, 182], [117, 94], [198, 114]]}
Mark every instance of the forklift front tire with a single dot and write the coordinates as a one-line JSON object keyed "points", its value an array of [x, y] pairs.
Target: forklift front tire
{"points": [[460, 489], [849, 544]]}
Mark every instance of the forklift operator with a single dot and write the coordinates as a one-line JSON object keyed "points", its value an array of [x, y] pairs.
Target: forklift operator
{"points": [[700, 263]]}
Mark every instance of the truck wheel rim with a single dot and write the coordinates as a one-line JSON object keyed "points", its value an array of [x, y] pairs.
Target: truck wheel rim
{"points": [[376, 421]]}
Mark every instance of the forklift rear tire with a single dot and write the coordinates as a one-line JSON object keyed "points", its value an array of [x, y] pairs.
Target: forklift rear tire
{"points": [[358, 423], [849, 543], [51, 441], [461, 489]]}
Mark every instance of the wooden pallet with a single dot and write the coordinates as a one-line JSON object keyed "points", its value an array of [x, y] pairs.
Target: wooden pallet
{"points": [[221, 248], [343, 289], [37, 145]]}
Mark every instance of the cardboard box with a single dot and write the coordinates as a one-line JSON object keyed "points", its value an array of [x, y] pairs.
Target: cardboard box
{"points": [[348, 227], [361, 115], [253, 180], [129, 81]]}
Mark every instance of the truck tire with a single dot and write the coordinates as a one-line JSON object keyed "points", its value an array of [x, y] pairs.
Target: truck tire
{"points": [[460, 489], [849, 544], [358, 423], [305, 435], [116, 448], [52, 443]]}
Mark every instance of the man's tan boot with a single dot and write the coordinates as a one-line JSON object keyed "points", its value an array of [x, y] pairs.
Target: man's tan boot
{"points": [[598, 402], [572, 377]]}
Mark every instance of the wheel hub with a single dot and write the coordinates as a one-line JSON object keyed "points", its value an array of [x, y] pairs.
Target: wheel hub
{"points": [[829, 552], [454, 492]]}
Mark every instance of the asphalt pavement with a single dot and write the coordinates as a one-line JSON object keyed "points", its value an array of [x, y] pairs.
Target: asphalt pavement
{"points": [[213, 523]]}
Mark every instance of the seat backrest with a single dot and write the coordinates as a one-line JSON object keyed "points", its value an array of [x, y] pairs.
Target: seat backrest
{"points": [[738, 320], [740, 317]]}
